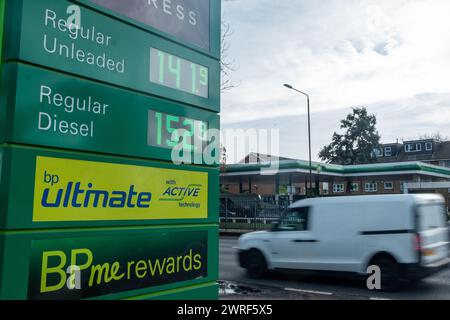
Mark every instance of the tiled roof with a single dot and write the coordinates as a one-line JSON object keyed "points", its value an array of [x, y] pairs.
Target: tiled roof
{"points": [[441, 152], [262, 158]]}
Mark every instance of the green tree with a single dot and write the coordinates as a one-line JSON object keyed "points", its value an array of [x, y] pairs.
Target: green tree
{"points": [[356, 144]]}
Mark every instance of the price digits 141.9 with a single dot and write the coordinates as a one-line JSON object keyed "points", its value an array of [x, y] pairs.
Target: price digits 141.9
{"points": [[177, 73]]}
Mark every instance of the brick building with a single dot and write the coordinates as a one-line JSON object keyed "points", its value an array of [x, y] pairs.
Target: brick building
{"points": [[290, 181]]}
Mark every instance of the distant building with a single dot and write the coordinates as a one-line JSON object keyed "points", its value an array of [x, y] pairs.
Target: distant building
{"points": [[389, 177], [426, 150]]}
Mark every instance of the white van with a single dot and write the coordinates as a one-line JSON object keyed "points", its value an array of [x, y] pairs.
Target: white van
{"points": [[405, 235]]}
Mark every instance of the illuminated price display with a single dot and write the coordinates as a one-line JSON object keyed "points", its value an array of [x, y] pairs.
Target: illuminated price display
{"points": [[177, 73], [162, 131]]}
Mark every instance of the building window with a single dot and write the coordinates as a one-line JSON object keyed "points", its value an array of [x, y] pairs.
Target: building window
{"points": [[371, 187], [388, 152], [388, 186], [338, 188], [354, 187], [413, 147], [325, 188], [377, 152], [429, 146]]}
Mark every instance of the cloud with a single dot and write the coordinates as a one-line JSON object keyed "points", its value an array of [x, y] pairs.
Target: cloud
{"points": [[342, 52]]}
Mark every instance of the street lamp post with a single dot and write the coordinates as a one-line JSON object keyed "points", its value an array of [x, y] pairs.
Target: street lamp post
{"points": [[309, 135]]}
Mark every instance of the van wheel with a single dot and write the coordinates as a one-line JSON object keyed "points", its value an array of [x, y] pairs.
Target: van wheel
{"points": [[390, 273], [256, 264]]}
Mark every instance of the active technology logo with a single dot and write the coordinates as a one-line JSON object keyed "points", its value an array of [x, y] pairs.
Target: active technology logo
{"points": [[176, 193]]}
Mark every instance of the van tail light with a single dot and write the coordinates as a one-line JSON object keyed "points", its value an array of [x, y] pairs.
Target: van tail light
{"points": [[417, 242], [418, 246]]}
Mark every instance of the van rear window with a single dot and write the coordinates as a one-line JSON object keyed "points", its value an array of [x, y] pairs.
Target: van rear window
{"points": [[431, 217]]}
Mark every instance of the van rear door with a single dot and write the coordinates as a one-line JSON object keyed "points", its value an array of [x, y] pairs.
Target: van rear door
{"points": [[433, 232]]}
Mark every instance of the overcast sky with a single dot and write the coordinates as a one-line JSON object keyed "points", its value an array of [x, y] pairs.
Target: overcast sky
{"points": [[390, 55]]}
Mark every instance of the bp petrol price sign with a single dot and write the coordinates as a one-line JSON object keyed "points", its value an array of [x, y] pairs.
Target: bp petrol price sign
{"points": [[89, 119]]}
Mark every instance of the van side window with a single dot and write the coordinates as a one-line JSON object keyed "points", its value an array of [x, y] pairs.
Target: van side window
{"points": [[295, 219]]}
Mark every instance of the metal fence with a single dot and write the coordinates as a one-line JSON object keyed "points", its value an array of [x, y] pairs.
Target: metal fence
{"points": [[248, 214]]}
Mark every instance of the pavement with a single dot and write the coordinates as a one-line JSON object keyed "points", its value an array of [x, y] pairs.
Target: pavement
{"points": [[236, 285]]}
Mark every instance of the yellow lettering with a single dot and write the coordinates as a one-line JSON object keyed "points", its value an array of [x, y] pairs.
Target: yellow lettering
{"points": [[178, 263], [102, 271], [105, 273], [197, 261], [130, 263], [46, 270], [170, 267], [156, 266], [114, 269], [87, 253], [141, 266]]}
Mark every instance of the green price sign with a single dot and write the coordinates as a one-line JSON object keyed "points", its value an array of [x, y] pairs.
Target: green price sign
{"points": [[177, 73], [48, 108], [109, 149], [107, 49]]}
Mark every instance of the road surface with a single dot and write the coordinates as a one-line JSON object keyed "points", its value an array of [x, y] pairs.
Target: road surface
{"points": [[435, 287]]}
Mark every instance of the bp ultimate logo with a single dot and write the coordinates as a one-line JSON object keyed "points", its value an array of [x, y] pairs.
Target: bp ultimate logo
{"points": [[73, 194], [76, 190]]}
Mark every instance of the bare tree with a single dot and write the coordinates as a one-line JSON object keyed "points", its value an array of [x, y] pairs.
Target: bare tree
{"points": [[438, 137], [227, 66]]}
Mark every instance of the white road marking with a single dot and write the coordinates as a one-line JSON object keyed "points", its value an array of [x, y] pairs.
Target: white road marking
{"points": [[310, 291], [375, 298]]}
